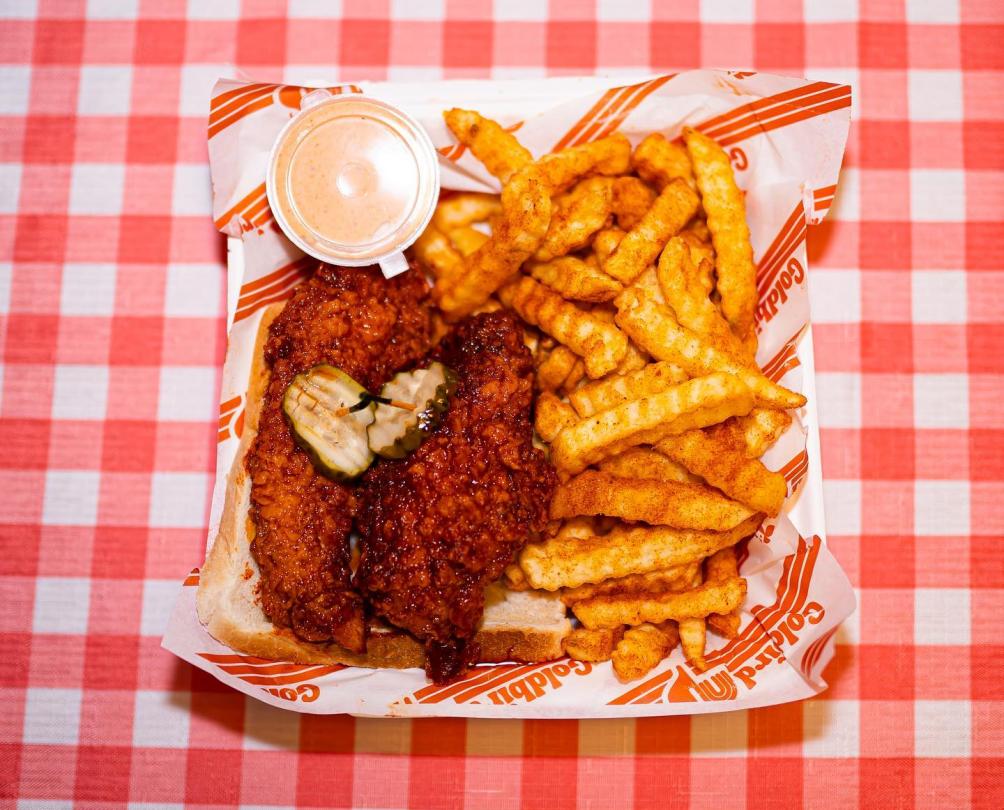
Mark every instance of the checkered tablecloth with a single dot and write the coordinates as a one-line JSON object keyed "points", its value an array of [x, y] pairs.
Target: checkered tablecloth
{"points": [[112, 337]]}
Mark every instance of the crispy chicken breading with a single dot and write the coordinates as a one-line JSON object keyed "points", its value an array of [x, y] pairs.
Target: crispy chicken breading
{"points": [[441, 524], [370, 327]]}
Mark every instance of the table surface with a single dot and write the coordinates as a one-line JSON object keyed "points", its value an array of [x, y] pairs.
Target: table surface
{"points": [[111, 317]]}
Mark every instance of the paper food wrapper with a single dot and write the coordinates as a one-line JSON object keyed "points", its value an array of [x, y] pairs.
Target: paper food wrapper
{"points": [[785, 137]]}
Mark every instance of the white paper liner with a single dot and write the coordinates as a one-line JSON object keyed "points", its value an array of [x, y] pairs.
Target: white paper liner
{"points": [[786, 138]]}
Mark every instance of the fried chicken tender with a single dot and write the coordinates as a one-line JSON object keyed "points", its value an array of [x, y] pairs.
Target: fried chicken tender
{"points": [[370, 327], [441, 524]]}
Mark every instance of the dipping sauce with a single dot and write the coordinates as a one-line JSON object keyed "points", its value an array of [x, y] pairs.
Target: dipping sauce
{"points": [[352, 180]]}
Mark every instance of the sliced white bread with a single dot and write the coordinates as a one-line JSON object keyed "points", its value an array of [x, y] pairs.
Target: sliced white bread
{"points": [[525, 626]]}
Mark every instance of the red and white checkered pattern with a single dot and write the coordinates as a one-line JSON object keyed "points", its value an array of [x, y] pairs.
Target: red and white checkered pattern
{"points": [[111, 316]]}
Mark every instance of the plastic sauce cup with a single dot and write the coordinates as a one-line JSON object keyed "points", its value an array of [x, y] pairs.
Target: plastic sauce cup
{"points": [[353, 180]]}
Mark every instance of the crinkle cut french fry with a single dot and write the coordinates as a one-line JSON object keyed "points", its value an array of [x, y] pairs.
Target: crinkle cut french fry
{"points": [[642, 648], [761, 427], [646, 284], [526, 213], [660, 161], [698, 228], [634, 360], [720, 459], [726, 210], [554, 369], [609, 156], [496, 148], [671, 210], [575, 279], [634, 609], [437, 254], [718, 567], [575, 376], [684, 293], [678, 578], [653, 327], [644, 462], [591, 645], [693, 637], [467, 240], [600, 344], [578, 555], [631, 200], [464, 208], [726, 625], [514, 578], [695, 403], [577, 215], [552, 416], [605, 242], [658, 503], [612, 391]]}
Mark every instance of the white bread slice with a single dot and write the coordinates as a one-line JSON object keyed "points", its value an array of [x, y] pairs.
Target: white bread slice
{"points": [[525, 626]]}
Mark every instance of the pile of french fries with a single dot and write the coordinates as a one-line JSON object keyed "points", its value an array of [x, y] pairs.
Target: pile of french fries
{"points": [[633, 271]]}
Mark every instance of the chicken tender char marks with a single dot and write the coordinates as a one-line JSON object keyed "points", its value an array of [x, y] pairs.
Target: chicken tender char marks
{"points": [[370, 327], [441, 524]]}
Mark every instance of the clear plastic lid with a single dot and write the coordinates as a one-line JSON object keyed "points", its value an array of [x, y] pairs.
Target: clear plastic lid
{"points": [[352, 180]]}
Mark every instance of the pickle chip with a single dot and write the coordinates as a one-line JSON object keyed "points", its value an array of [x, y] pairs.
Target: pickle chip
{"points": [[409, 408], [329, 413]]}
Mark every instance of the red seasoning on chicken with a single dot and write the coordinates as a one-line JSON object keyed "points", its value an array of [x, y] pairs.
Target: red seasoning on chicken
{"points": [[369, 327], [442, 523]]}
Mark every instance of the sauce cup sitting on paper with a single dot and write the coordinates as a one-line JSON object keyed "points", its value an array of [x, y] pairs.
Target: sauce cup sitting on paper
{"points": [[353, 180]]}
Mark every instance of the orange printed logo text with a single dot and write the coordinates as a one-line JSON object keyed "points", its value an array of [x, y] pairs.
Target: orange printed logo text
{"points": [[793, 273], [305, 693], [536, 684]]}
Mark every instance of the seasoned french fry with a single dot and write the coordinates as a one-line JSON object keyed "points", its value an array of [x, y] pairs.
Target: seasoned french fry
{"points": [[591, 645], [640, 247], [579, 555], [695, 403], [646, 284], [660, 503], [577, 215], [467, 240], [644, 462], [726, 210], [436, 252], [514, 578], [575, 376], [464, 208], [726, 625], [634, 360], [609, 156], [497, 149], [720, 459], [552, 416], [605, 242], [693, 637], [526, 213], [600, 344], [720, 566], [555, 368], [612, 391], [654, 328], [683, 291], [761, 427], [631, 200], [671, 579], [698, 229], [634, 609], [642, 648], [660, 161], [575, 279]]}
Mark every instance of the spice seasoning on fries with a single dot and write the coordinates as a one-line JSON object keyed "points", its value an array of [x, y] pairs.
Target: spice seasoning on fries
{"points": [[634, 272]]}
